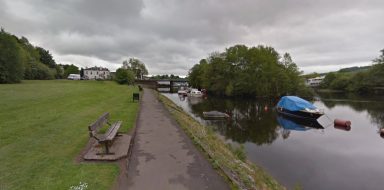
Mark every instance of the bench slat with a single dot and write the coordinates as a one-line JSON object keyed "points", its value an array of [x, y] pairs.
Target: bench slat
{"points": [[112, 131], [109, 135], [102, 120]]}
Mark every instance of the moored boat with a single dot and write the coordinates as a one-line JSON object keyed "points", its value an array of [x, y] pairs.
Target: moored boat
{"points": [[294, 106], [195, 93], [215, 114], [182, 91]]}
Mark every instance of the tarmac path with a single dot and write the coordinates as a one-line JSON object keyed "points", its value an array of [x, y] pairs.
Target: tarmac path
{"points": [[163, 156]]}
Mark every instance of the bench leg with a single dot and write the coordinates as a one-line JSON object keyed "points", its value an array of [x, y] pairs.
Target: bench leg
{"points": [[106, 150], [119, 134]]}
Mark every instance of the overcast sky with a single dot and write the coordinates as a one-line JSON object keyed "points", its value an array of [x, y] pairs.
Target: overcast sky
{"points": [[170, 36]]}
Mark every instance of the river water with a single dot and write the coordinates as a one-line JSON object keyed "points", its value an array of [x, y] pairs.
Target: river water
{"points": [[300, 154]]}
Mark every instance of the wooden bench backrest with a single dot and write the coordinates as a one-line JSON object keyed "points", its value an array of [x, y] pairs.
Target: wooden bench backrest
{"points": [[98, 124]]}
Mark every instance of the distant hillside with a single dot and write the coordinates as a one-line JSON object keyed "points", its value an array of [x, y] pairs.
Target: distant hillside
{"points": [[343, 70], [354, 69], [366, 79]]}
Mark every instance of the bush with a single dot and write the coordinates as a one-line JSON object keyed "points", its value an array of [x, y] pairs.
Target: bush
{"points": [[38, 71], [124, 76], [11, 65]]}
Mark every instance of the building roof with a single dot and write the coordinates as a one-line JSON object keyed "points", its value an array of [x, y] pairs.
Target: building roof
{"points": [[97, 69]]}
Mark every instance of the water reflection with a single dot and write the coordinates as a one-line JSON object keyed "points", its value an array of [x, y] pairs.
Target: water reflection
{"points": [[248, 119], [333, 157], [371, 104], [290, 123]]}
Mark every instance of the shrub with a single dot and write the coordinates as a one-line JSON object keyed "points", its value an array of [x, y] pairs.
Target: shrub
{"points": [[11, 65]]}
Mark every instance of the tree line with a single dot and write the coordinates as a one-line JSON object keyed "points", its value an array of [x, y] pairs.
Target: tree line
{"points": [[248, 71], [364, 81], [166, 76], [20, 60]]}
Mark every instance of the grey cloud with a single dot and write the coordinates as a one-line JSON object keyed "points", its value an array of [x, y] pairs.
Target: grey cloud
{"points": [[172, 35]]}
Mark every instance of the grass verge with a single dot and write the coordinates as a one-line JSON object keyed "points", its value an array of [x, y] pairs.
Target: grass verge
{"points": [[243, 174], [44, 127]]}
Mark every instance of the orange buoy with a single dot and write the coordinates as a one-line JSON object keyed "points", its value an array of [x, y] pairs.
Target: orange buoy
{"points": [[342, 124]]}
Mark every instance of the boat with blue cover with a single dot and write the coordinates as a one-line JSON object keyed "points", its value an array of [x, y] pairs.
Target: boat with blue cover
{"points": [[294, 106]]}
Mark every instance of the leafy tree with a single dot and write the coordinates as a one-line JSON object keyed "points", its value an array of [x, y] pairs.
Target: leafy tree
{"points": [[59, 74], [328, 79], [124, 76], [380, 59], [46, 58], [137, 67], [255, 71], [81, 72], [375, 75], [11, 63], [36, 62], [38, 71], [121, 76], [70, 69], [340, 83]]}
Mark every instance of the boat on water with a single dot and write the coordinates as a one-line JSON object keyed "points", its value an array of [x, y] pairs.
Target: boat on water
{"points": [[195, 93], [182, 91], [215, 115], [294, 106]]}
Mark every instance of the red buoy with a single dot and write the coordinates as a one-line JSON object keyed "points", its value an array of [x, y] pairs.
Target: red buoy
{"points": [[342, 124]]}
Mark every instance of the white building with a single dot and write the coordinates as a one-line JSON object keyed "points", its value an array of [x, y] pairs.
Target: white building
{"points": [[94, 73], [313, 82]]}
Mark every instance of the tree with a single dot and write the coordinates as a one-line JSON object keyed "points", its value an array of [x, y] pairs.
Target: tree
{"points": [[243, 71], [70, 69], [81, 72], [328, 79], [59, 74], [137, 67], [124, 76], [46, 58], [380, 59], [11, 64]]}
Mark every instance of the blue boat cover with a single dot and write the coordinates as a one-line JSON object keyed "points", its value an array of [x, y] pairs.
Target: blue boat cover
{"points": [[294, 103], [290, 125]]}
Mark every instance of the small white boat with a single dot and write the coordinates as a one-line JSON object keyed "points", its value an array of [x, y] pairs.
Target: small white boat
{"points": [[182, 91], [195, 93]]}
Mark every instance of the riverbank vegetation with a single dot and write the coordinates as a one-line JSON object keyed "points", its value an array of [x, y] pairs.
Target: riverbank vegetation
{"points": [[231, 161], [366, 80], [248, 71], [43, 128], [20, 60]]}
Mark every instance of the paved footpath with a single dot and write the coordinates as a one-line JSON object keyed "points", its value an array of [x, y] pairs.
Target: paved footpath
{"points": [[163, 157]]}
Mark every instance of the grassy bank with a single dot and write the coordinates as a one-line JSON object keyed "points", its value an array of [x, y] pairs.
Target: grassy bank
{"points": [[242, 173], [44, 127]]}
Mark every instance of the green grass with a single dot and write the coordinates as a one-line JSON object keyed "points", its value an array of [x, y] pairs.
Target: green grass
{"points": [[43, 127]]}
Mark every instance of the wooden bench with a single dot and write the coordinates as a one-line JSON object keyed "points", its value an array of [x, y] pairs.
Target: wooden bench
{"points": [[135, 96], [108, 137]]}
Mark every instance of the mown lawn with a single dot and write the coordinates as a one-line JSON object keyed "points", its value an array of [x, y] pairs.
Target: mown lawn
{"points": [[43, 127]]}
